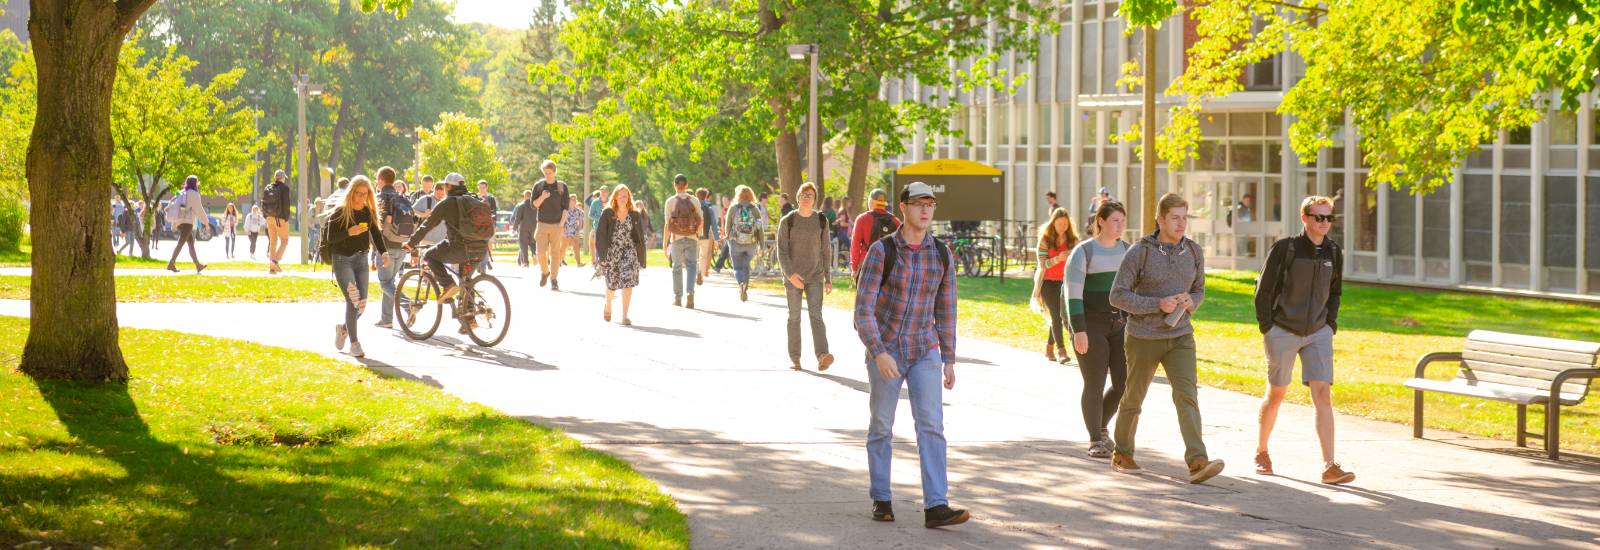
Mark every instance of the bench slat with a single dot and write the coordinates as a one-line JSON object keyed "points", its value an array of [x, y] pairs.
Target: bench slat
{"points": [[1497, 392], [1578, 386], [1578, 358], [1536, 367], [1523, 340]]}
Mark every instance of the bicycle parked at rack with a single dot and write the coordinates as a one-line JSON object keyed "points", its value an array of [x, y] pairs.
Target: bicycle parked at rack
{"points": [[482, 306]]}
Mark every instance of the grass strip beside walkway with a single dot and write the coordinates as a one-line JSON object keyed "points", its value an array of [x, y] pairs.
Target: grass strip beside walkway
{"points": [[206, 289], [218, 443], [1382, 332]]}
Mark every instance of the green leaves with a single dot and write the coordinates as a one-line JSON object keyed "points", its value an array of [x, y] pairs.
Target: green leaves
{"points": [[1140, 13], [459, 143]]}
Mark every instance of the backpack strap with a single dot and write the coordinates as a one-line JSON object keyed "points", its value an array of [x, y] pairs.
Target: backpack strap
{"points": [[891, 253]]}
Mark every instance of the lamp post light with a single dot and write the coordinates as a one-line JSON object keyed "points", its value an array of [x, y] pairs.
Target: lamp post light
{"points": [[813, 132], [302, 88]]}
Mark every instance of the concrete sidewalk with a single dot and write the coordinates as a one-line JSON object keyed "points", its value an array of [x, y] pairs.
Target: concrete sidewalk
{"points": [[760, 456]]}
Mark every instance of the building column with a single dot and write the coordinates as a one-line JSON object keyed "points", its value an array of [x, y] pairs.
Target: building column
{"points": [[1536, 205], [1585, 140], [1494, 200], [1457, 206]]}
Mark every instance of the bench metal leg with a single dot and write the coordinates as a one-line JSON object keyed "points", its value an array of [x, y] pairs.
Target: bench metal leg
{"points": [[1552, 429], [1416, 416], [1522, 425]]}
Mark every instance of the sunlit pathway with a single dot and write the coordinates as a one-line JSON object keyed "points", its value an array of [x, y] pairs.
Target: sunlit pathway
{"points": [[762, 456]]}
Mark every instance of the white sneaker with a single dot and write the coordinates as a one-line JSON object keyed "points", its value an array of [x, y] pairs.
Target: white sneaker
{"points": [[339, 334], [355, 350]]}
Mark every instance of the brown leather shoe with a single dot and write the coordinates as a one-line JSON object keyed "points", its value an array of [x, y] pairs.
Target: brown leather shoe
{"points": [[1050, 352], [1204, 469], [1124, 463], [1263, 464], [1336, 475]]}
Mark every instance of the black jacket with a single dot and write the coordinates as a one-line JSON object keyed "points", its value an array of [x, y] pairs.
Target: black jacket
{"points": [[524, 217], [279, 208], [1301, 295], [608, 225], [451, 213]]}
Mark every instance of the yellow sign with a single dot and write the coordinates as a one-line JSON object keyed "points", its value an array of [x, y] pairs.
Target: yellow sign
{"points": [[949, 167]]}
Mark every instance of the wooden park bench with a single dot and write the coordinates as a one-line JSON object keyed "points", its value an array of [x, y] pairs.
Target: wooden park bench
{"points": [[1518, 369]]}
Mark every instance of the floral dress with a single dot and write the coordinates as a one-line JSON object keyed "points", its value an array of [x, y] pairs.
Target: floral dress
{"points": [[574, 222], [622, 259]]}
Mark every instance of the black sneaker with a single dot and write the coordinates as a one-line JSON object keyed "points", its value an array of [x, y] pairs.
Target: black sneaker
{"points": [[882, 510], [944, 516]]}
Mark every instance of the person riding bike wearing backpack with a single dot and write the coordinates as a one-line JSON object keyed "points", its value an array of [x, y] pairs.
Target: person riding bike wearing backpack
{"points": [[468, 226], [870, 227]]}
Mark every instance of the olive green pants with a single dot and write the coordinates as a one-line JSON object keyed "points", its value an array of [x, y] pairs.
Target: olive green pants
{"points": [[1176, 358]]}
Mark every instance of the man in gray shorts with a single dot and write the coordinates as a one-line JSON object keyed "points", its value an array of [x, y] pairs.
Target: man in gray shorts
{"points": [[1297, 308]]}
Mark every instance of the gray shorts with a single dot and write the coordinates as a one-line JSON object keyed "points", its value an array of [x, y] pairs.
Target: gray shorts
{"points": [[1315, 352]]}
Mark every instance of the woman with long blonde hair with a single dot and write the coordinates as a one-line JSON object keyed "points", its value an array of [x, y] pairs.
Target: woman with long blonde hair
{"points": [[1057, 237], [619, 241], [353, 230]]}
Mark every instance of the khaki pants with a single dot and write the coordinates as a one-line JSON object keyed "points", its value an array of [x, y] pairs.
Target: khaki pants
{"points": [[550, 248], [277, 238], [707, 247], [1176, 358]]}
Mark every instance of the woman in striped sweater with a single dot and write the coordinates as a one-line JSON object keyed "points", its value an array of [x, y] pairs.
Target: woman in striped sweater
{"points": [[1056, 239], [1096, 326]]}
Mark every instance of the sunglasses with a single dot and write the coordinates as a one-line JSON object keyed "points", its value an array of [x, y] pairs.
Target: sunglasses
{"points": [[1321, 218]]}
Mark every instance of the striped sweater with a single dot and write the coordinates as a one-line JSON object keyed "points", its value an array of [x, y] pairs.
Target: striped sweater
{"points": [[1089, 286]]}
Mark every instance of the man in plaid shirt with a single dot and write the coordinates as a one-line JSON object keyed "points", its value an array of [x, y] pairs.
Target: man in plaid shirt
{"points": [[907, 321]]}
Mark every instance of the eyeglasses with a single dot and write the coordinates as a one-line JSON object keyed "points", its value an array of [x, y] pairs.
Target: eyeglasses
{"points": [[1321, 218]]}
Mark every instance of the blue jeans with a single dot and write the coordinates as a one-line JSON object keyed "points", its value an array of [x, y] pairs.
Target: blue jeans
{"points": [[386, 281], [685, 257], [350, 272], [741, 264], [925, 380]]}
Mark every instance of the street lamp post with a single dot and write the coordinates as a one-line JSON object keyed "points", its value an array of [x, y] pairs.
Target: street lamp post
{"points": [[813, 132], [303, 87]]}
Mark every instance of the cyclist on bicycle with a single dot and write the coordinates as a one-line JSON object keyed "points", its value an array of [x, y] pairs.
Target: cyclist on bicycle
{"points": [[463, 243]]}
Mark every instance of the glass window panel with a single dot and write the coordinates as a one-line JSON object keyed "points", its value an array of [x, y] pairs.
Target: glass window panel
{"points": [[1274, 124], [1274, 157], [1591, 254], [1520, 136], [1337, 190], [1402, 223], [1163, 69], [1245, 156], [1002, 123], [1271, 204], [1089, 59], [1336, 157], [1515, 194], [1091, 129], [1477, 220], [1366, 215], [1436, 223], [1563, 127], [1066, 125], [1213, 125], [1063, 62], [1226, 203], [1246, 125], [1517, 158], [1209, 156], [1482, 158], [1561, 221], [1111, 55], [1043, 116]]}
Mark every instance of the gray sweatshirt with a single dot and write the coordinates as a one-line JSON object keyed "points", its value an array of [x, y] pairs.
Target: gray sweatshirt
{"points": [[803, 246], [1153, 270]]}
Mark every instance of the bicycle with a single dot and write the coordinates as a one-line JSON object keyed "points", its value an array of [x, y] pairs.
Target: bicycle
{"points": [[482, 307], [972, 257]]}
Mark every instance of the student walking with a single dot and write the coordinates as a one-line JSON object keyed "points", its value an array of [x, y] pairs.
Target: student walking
{"points": [[745, 227], [710, 233], [905, 314], [183, 212], [681, 241], [353, 230], [1161, 282], [572, 230], [525, 221], [1057, 238], [870, 227], [275, 205], [620, 240], [1297, 308], [130, 222], [803, 252], [230, 223], [596, 205], [1097, 328], [550, 198], [399, 222], [649, 226], [254, 224], [424, 206]]}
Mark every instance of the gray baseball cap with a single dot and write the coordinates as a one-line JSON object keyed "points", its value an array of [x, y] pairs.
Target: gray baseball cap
{"points": [[454, 179], [916, 190]]}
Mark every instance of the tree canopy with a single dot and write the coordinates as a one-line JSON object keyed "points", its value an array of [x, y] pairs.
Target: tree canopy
{"points": [[459, 143]]}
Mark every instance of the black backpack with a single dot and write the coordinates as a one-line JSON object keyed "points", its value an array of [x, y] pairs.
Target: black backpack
{"points": [[477, 219], [399, 208], [272, 200], [882, 224], [891, 252]]}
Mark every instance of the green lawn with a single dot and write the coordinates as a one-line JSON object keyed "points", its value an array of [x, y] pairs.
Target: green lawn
{"points": [[205, 288], [222, 443], [1382, 331]]}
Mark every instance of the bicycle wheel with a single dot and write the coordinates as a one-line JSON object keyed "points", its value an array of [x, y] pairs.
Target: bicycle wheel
{"points": [[967, 262], [986, 262], [416, 307], [489, 311]]}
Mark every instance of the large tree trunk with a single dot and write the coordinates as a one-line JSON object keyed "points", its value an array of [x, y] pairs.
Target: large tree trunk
{"points": [[73, 304], [860, 162], [360, 164], [313, 168], [788, 150], [336, 152]]}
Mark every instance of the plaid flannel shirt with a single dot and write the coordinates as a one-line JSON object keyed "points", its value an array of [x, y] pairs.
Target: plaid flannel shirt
{"points": [[914, 310]]}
